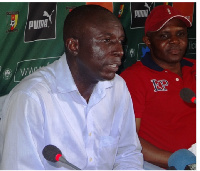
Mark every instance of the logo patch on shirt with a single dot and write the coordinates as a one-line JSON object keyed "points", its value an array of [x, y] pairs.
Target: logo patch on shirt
{"points": [[160, 85]]}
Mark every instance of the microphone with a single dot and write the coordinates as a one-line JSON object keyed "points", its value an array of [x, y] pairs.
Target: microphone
{"points": [[182, 159], [53, 154], [188, 95]]}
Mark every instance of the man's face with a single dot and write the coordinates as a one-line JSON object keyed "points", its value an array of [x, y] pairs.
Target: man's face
{"points": [[169, 44], [100, 49]]}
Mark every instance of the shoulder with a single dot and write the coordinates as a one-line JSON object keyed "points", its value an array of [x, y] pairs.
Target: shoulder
{"points": [[136, 71], [133, 68], [30, 82], [118, 86], [40, 81], [45, 77], [118, 81], [190, 60], [189, 63], [118, 92]]}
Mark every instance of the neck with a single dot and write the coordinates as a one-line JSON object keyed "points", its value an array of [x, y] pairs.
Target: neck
{"points": [[84, 82], [177, 70], [174, 67], [85, 88]]}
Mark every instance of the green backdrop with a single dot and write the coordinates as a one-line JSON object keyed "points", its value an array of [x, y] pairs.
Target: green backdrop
{"points": [[31, 36]]}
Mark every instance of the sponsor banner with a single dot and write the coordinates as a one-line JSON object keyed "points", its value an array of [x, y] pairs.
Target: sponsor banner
{"points": [[12, 20], [142, 50], [191, 46], [27, 67], [139, 13], [108, 5], [41, 22], [26, 22]]}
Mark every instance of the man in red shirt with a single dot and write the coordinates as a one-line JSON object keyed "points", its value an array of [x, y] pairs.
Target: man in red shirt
{"points": [[165, 123]]}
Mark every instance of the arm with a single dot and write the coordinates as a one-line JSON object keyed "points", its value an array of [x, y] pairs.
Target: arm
{"points": [[138, 93], [129, 154], [19, 146], [151, 153]]}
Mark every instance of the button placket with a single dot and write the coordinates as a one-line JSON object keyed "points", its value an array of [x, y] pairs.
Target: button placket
{"points": [[90, 142]]}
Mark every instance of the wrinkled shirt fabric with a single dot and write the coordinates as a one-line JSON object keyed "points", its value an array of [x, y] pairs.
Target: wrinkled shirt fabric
{"points": [[47, 108]]}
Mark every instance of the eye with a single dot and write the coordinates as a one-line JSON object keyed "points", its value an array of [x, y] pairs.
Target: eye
{"points": [[164, 36], [107, 40], [122, 41], [182, 34]]}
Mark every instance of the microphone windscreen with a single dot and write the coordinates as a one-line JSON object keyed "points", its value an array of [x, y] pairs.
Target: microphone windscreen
{"points": [[181, 158], [50, 151], [187, 94]]}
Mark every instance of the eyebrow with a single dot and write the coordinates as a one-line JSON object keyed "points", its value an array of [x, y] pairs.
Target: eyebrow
{"points": [[108, 34]]}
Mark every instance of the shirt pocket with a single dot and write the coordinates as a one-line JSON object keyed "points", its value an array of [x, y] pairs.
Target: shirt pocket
{"points": [[108, 146]]}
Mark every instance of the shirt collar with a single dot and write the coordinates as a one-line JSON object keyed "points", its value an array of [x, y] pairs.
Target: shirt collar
{"points": [[148, 62], [65, 81]]}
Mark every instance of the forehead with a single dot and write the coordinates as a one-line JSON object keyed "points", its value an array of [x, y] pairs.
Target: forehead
{"points": [[107, 25]]}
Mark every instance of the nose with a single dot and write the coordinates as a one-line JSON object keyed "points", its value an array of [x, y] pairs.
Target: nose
{"points": [[118, 50], [174, 40]]}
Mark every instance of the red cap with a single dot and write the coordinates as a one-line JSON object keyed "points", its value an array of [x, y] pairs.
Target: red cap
{"points": [[160, 15]]}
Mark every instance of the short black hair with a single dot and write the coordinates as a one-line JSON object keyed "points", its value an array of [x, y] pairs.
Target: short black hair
{"points": [[77, 15]]}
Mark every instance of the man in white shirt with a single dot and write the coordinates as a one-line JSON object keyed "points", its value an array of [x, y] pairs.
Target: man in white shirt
{"points": [[77, 103]]}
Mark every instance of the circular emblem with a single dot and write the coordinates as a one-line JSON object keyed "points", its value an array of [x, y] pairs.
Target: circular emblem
{"points": [[7, 74]]}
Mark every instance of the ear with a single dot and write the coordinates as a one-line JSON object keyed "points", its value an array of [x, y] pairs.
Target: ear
{"points": [[147, 41], [72, 45]]}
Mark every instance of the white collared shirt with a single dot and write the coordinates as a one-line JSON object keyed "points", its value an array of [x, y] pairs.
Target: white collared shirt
{"points": [[47, 108]]}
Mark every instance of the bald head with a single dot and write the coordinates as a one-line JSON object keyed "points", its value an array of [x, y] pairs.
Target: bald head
{"points": [[82, 16]]}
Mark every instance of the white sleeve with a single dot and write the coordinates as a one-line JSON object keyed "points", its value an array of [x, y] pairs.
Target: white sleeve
{"points": [[129, 156], [19, 150]]}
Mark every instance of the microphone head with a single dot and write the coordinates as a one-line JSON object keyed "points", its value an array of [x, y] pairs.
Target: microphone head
{"points": [[181, 158], [187, 94], [50, 152]]}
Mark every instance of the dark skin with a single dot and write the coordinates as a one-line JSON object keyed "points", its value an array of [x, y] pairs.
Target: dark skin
{"points": [[95, 54], [167, 47]]}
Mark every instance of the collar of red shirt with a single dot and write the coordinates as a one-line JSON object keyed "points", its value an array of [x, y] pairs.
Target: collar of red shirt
{"points": [[148, 62]]}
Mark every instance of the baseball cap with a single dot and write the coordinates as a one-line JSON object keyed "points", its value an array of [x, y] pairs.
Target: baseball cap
{"points": [[160, 15]]}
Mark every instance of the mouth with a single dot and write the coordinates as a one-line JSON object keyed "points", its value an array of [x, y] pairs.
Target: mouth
{"points": [[113, 67], [175, 51]]}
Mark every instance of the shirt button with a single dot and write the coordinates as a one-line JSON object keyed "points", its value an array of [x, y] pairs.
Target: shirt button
{"points": [[166, 71], [90, 134], [177, 79], [90, 159]]}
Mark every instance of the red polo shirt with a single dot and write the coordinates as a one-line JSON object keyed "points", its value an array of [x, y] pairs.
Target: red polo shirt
{"points": [[166, 120]]}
